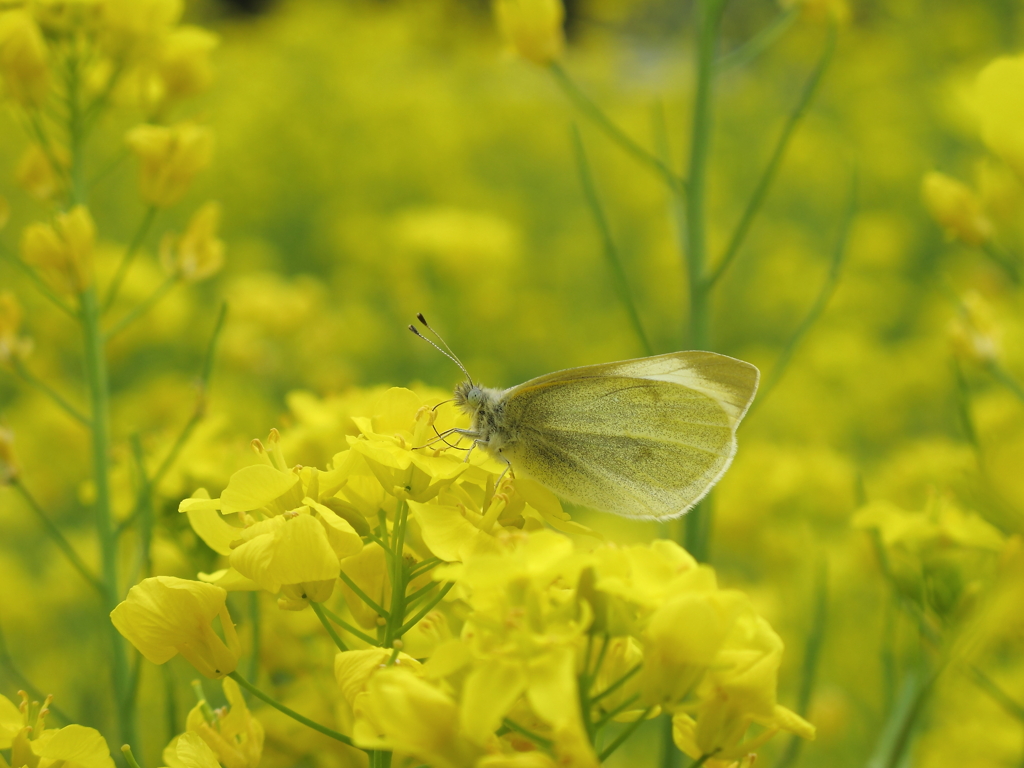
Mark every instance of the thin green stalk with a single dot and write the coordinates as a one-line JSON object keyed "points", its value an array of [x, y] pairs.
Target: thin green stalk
{"points": [[348, 627], [412, 599], [425, 609], [621, 738], [40, 284], [812, 656], [611, 252], [129, 256], [319, 611], [613, 713], [29, 378], [824, 295], [1008, 262], [99, 392], [768, 175], [691, 215], [170, 702], [58, 538], [398, 575], [1004, 377], [423, 566], [24, 683], [202, 386], [129, 758], [597, 116], [899, 729], [144, 503], [701, 760], [617, 684], [996, 693], [290, 712], [540, 741], [760, 42], [374, 606], [143, 307]]}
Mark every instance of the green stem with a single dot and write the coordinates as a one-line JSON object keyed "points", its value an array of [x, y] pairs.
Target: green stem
{"points": [[617, 684], [812, 655], [143, 307], [1000, 374], [697, 523], [129, 256], [419, 594], [996, 693], [348, 627], [129, 758], [1007, 261], [597, 116], [824, 295], [422, 567], [29, 378], [58, 538], [319, 611], [611, 252], [144, 503], [540, 741], [760, 42], [40, 284], [425, 609], [613, 713], [621, 738], [290, 712], [23, 682], [374, 606], [96, 377], [768, 175], [399, 574]]}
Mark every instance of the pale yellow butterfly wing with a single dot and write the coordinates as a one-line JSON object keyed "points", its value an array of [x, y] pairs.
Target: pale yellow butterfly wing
{"points": [[642, 438]]}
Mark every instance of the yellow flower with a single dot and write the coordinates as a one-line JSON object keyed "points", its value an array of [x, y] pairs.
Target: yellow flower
{"points": [[1000, 102], [164, 616], [939, 556], [73, 746], [171, 157], [63, 249], [198, 253], [737, 691], [13, 346], [190, 751], [290, 549], [533, 27], [235, 736], [402, 712], [37, 175], [23, 56], [683, 638], [956, 208], [183, 64]]}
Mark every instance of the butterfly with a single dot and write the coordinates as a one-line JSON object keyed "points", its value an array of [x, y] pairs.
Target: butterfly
{"points": [[644, 438]]}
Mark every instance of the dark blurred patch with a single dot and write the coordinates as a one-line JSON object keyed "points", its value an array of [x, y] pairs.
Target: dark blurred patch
{"points": [[247, 7]]}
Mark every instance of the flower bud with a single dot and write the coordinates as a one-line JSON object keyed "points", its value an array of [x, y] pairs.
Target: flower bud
{"points": [[533, 28], [23, 57], [164, 616], [63, 249], [171, 157], [956, 208], [198, 253]]}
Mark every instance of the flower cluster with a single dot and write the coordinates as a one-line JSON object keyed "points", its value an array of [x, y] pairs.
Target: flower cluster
{"points": [[470, 626]]}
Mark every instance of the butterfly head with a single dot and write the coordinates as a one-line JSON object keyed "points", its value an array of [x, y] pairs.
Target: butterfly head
{"points": [[469, 397]]}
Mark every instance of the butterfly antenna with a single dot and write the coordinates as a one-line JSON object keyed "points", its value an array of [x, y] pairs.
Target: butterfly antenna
{"points": [[447, 351]]}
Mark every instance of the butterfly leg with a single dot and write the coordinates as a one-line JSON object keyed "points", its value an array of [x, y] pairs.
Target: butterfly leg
{"points": [[469, 453], [508, 469]]}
